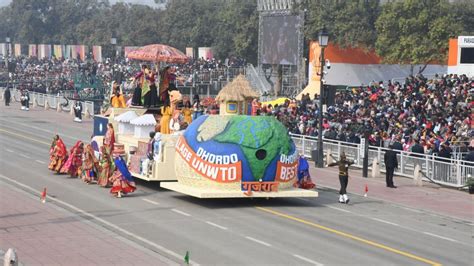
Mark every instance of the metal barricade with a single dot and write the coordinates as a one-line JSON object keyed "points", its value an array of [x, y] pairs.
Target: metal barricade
{"points": [[52, 101], [448, 172], [40, 99], [89, 107]]}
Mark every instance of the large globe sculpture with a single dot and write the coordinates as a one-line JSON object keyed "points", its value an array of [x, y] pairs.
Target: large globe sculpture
{"points": [[226, 152]]}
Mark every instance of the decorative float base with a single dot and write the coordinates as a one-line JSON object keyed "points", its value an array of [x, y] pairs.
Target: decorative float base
{"points": [[215, 193]]}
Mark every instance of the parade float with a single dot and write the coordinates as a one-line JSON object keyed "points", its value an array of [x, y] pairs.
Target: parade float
{"points": [[229, 155], [233, 154]]}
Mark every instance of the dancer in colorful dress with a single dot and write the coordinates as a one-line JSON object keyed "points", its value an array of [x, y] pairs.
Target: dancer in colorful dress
{"points": [[109, 139], [167, 79], [122, 179], [106, 168], [74, 162], [58, 154], [165, 118], [304, 179], [51, 153], [137, 93], [116, 99], [89, 165], [150, 94]]}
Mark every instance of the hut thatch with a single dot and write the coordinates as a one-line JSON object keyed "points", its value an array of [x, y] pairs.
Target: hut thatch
{"points": [[238, 90]]}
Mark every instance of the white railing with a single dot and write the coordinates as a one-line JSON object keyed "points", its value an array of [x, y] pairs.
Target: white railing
{"points": [[449, 172], [53, 101]]}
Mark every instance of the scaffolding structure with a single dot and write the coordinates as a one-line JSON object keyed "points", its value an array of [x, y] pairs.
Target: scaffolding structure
{"points": [[284, 79]]}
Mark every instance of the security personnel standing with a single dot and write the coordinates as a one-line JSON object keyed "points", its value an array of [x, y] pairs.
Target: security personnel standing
{"points": [[391, 162], [7, 96], [343, 177]]}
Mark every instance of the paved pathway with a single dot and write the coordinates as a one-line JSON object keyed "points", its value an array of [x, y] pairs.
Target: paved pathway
{"points": [[430, 197], [44, 234]]}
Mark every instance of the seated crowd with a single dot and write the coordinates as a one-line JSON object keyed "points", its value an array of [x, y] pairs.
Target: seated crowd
{"points": [[422, 116]]}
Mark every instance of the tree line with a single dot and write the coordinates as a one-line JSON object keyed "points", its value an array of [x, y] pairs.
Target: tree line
{"points": [[404, 31]]}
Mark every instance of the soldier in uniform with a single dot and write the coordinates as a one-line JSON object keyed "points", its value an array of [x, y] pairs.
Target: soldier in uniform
{"points": [[391, 162], [343, 164]]}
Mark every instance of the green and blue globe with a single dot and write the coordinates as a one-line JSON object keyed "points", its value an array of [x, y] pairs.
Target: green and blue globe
{"points": [[254, 143]]}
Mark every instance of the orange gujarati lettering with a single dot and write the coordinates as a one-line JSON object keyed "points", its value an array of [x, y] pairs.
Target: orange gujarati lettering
{"points": [[222, 173]]}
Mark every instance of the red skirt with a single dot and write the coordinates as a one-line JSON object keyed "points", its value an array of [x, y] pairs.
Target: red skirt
{"points": [[121, 185]]}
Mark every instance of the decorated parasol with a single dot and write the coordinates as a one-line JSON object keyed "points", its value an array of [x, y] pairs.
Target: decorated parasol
{"points": [[158, 53]]}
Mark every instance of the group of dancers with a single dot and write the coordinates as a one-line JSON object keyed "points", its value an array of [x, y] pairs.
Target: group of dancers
{"points": [[146, 92], [107, 168]]}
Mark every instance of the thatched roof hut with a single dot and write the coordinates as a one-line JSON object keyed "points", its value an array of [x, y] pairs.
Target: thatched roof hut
{"points": [[238, 90]]}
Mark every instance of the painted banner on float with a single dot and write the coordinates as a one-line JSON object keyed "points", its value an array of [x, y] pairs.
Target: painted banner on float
{"points": [[219, 168], [237, 148], [287, 170]]}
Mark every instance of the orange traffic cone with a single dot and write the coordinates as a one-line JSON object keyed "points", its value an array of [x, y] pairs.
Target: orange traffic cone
{"points": [[366, 190], [43, 196]]}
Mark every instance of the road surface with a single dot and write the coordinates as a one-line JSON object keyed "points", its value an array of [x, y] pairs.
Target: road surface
{"points": [[292, 231]]}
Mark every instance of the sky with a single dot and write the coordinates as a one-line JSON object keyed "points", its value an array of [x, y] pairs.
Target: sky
{"points": [[143, 2]]}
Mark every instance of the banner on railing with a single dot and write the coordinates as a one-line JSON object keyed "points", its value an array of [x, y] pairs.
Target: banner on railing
{"points": [[97, 53], [17, 49], [32, 50], [44, 51], [190, 52], [58, 51], [205, 52], [68, 51]]}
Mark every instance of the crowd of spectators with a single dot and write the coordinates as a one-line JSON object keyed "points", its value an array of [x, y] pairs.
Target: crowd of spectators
{"points": [[55, 75], [430, 116], [422, 116]]}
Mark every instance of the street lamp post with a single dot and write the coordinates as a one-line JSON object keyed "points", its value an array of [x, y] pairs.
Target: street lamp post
{"points": [[323, 42], [7, 60], [8, 40], [113, 42]]}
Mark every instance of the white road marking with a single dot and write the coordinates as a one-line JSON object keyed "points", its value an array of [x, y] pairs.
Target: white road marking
{"points": [[44, 130], [216, 225], [8, 150], [339, 209], [307, 260], [150, 201], [442, 237], [383, 221], [181, 212], [41, 162], [25, 156], [258, 241], [409, 209], [179, 257]]}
